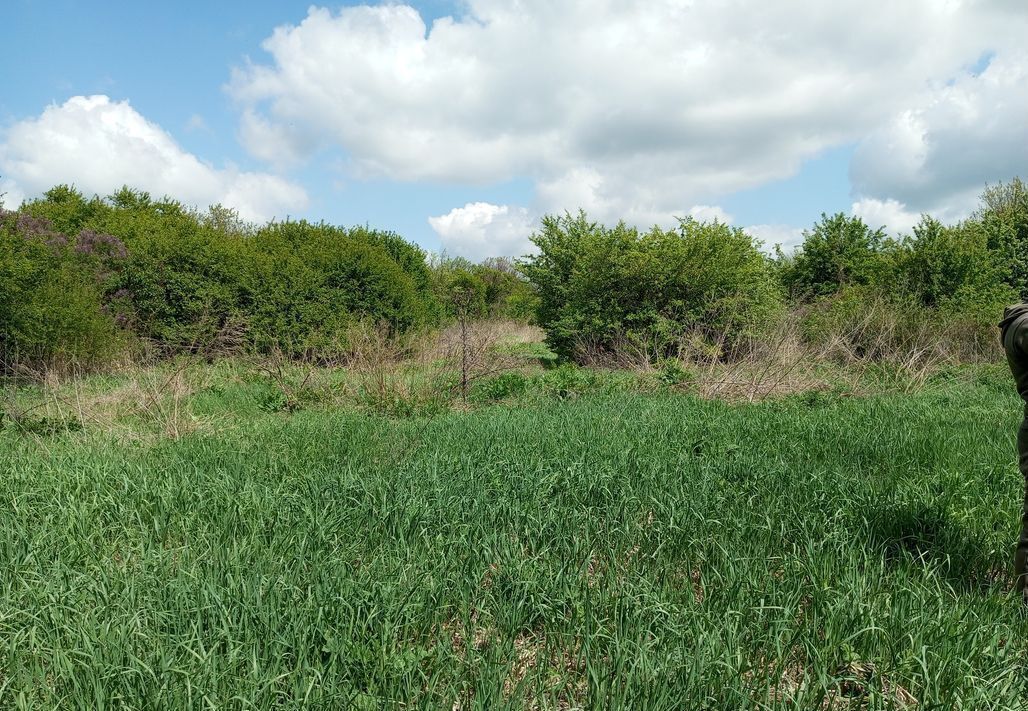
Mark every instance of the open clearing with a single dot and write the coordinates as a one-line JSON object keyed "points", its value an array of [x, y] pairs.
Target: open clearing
{"points": [[635, 550]]}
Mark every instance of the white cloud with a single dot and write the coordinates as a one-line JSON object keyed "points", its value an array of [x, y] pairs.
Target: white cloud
{"points": [[275, 143], [709, 213], [785, 236], [937, 152], [480, 230], [890, 214], [629, 110], [10, 195], [99, 145]]}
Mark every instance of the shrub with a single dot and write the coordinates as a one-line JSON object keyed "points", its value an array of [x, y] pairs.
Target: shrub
{"points": [[604, 290], [862, 323], [189, 277], [672, 372], [493, 289], [51, 306], [501, 387], [951, 268], [566, 381], [839, 251], [307, 285], [1003, 219], [179, 283]]}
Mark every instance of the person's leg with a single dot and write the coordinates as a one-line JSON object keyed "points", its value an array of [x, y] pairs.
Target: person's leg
{"points": [[1021, 556]]}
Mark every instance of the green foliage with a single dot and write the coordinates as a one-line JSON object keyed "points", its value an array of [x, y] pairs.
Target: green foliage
{"points": [[465, 292], [82, 278], [867, 323], [52, 310], [839, 251], [507, 294], [940, 291], [859, 322], [1003, 218], [672, 372], [949, 266], [187, 279], [39, 425], [567, 380], [953, 271], [606, 289], [409, 257], [492, 289], [308, 284], [501, 387]]}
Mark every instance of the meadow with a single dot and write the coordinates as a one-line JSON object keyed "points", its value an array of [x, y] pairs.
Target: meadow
{"points": [[569, 539]]}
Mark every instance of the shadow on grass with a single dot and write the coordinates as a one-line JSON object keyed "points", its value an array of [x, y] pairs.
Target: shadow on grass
{"points": [[924, 535]]}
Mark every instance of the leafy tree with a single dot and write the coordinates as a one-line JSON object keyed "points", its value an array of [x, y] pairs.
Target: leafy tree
{"points": [[950, 267], [308, 283], [838, 252], [1003, 217]]}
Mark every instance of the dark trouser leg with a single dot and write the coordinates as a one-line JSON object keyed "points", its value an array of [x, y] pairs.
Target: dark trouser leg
{"points": [[1021, 557]]}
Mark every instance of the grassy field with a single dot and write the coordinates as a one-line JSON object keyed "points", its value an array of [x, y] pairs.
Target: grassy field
{"points": [[568, 547]]}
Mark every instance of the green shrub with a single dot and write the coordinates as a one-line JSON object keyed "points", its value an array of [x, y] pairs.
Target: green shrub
{"points": [[1003, 219], [604, 290], [840, 251], [307, 285], [567, 380], [492, 289], [672, 372], [189, 278], [863, 323], [52, 311], [179, 283], [951, 269], [501, 387]]}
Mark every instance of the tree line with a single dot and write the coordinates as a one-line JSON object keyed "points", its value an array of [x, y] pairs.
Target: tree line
{"points": [[88, 280]]}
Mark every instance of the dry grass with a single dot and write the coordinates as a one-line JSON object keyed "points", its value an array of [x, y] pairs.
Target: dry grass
{"points": [[427, 373], [786, 362]]}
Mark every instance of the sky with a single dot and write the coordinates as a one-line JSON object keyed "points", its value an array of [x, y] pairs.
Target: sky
{"points": [[459, 123]]}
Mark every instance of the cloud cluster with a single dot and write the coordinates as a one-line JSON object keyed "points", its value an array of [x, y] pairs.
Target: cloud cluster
{"points": [[633, 110], [480, 229], [99, 145], [937, 152], [892, 215]]}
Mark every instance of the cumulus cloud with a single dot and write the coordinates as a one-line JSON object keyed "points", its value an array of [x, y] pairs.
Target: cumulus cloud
{"points": [[99, 145], [710, 213], [633, 110], [937, 152], [480, 230], [890, 214], [785, 236], [10, 194]]}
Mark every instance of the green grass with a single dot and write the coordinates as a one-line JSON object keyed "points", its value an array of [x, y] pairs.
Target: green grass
{"points": [[574, 549]]}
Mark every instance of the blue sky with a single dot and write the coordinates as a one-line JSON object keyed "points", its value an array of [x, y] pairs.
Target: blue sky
{"points": [[510, 111]]}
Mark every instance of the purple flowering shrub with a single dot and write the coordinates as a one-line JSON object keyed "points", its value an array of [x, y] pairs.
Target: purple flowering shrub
{"points": [[53, 310]]}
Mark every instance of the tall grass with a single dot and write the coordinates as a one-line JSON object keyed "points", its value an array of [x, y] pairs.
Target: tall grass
{"points": [[628, 551]]}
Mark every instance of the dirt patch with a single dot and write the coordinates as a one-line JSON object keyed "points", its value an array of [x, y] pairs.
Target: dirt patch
{"points": [[856, 685], [563, 671]]}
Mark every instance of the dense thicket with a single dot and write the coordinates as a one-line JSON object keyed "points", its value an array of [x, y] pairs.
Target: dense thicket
{"points": [[605, 291], [82, 279], [707, 288], [493, 289]]}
